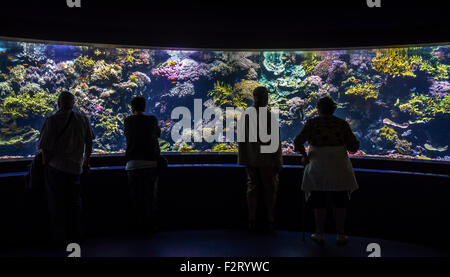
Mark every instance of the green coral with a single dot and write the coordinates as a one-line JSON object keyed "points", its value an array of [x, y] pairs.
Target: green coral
{"points": [[425, 107], [225, 147], [108, 122], [106, 72], [21, 105], [393, 62], [310, 63], [84, 64], [18, 73], [388, 133], [442, 72], [225, 96], [26, 137], [164, 146], [5, 88], [366, 91]]}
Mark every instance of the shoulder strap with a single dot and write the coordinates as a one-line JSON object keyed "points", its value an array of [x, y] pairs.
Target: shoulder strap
{"points": [[65, 127]]}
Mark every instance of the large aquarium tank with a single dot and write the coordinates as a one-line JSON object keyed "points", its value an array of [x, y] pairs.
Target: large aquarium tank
{"points": [[396, 99]]}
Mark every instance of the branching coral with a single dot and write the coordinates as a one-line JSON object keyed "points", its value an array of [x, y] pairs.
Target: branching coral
{"points": [[18, 74], [84, 64], [106, 72], [24, 136], [5, 88], [108, 122], [393, 62], [442, 72], [388, 133], [225, 96], [366, 91], [425, 107], [22, 105], [181, 89], [310, 63]]}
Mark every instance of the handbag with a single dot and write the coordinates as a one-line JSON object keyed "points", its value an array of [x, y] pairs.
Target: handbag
{"points": [[35, 176]]}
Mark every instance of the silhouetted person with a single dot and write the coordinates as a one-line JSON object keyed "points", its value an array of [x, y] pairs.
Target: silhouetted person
{"points": [[66, 143], [142, 133], [262, 168], [328, 171]]}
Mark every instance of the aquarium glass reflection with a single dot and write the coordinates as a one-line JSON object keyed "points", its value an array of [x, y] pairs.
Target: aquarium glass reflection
{"points": [[396, 100]]}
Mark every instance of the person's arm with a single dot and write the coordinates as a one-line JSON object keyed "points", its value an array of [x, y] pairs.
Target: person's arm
{"points": [[350, 140], [157, 129], [88, 145], [44, 142]]}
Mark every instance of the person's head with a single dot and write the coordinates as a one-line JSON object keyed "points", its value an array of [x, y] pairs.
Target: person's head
{"points": [[326, 106], [66, 100], [260, 97], [138, 104]]}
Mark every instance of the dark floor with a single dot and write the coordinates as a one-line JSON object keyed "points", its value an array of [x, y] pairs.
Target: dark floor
{"points": [[229, 243]]}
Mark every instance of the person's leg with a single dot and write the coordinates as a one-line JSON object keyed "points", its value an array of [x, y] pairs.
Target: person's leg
{"points": [[133, 198], [74, 204], [55, 186], [149, 179], [252, 195], [340, 199], [318, 199], [269, 180]]}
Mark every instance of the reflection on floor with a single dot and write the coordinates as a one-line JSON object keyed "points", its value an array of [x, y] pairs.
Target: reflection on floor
{"points": [[230, 243]]}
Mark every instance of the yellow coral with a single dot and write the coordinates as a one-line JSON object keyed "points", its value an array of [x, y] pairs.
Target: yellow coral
{"points": [[311, 62], [425, 107], [442, 72], [393, 62], [388, 133], [366, 91]]}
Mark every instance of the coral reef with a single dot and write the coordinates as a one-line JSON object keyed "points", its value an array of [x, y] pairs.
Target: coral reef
{"points": [[246, 87], [181, 89], [24, 105], [186, 69], [425, 108], [366, 91], [393, 62], [439, 89], [225, 147], [225, 96]]}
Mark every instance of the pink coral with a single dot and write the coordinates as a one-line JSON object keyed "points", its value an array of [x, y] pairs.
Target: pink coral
{"points": [[186, 69]]}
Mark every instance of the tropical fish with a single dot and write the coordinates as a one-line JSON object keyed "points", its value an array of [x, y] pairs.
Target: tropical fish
{"points": [[9, 67], [172, 63], [25, 64], [174, 82], [428, 102], [230, 67], [397, 102], [3, 52], [413, 89], [69, 77], [168, 123]]}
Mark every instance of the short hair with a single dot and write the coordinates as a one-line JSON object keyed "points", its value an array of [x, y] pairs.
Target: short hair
{"points": [[326, 105], [66, 100], [138, 104], [261, 96]]}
